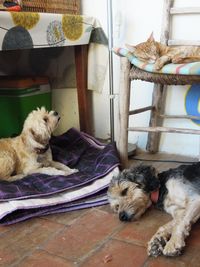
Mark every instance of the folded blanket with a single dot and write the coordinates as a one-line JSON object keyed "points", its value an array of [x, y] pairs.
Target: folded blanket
{"points": [[18, 210]]}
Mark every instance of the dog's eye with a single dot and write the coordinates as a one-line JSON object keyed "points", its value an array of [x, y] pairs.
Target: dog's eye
{"points": [[45, 119], [124, 192]]}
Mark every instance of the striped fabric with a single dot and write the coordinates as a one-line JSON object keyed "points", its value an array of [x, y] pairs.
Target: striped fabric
{"points": [[184, 69]]}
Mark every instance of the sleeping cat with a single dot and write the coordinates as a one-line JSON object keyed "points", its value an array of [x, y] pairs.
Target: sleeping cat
{"points": [[160, 54]]}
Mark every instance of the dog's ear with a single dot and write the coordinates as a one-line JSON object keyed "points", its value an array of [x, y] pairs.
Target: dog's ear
{"points": [[132, 175], [144, 176], [38, 138], [113, 181], [152, 184]]}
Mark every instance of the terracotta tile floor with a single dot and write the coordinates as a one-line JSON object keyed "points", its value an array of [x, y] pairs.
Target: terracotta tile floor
{"points": [[93, 238]]}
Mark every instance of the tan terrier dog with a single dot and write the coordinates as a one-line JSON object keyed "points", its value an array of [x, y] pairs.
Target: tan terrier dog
{"points": [[30, 152], [130, 195]]}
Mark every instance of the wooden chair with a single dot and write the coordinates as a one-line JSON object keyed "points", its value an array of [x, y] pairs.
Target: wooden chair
{"points": [[130, 73]]}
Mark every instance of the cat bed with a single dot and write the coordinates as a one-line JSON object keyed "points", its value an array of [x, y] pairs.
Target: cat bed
{"points": [[179, 69], [41, 194]]}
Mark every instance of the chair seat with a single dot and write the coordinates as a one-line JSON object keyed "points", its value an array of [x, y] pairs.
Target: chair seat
{"points": [[177, 69]]}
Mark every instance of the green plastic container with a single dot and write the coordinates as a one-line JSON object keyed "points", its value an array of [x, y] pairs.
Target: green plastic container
{"points": [[16, 104]]}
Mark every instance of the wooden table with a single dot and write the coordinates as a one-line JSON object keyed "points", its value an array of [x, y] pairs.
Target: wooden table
{"points": [[28, 30]]}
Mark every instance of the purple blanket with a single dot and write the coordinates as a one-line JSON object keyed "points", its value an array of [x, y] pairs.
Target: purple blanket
{"points": [[75, 149]]}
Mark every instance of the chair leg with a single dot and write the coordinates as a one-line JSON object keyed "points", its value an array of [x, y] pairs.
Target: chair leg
{"points": [[123, 116], [158, 102]]}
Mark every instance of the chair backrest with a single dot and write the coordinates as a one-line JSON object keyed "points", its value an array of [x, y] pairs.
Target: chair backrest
{"points": [[168, 12]]}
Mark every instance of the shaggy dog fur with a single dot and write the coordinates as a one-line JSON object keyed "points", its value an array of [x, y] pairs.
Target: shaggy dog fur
{"points": [[30, 152], [179, 195]]}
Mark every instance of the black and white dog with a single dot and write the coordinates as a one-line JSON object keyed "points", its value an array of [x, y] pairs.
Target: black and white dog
{"points": [[178, 194]]}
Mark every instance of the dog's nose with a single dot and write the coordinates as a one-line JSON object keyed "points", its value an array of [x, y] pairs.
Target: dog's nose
{"points": [[123, 216], [55, 113]]}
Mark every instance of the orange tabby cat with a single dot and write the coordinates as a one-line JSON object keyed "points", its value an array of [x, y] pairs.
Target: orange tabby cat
{"points": [[155, 52]]}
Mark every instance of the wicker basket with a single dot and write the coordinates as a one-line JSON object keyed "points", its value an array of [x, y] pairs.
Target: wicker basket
{"points": [[52, 6]]}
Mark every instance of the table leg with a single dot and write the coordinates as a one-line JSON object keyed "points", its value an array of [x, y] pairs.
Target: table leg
{"points": [[81, 58]]}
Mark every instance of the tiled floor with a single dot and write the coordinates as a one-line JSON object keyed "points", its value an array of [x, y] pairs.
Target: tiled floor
{"points": [[93, 238]]}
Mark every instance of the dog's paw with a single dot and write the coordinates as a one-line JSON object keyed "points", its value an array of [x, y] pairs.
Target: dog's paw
{"points": [[74, 170], [173, 247], [156, 246], [70, 171]]}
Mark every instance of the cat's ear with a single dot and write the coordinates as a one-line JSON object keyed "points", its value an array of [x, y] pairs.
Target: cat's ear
{"points": [[131, 48], [151, 38]]}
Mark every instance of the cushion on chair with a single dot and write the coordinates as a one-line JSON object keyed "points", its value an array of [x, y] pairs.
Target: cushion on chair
{"points": [[184, 69]]}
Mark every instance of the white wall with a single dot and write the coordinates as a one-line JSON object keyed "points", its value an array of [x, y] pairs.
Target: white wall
{"points": [[133, 21]]}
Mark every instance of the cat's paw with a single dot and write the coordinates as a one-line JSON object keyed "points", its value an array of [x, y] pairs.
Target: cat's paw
{"points": [[177, 60], [158, 65]]}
